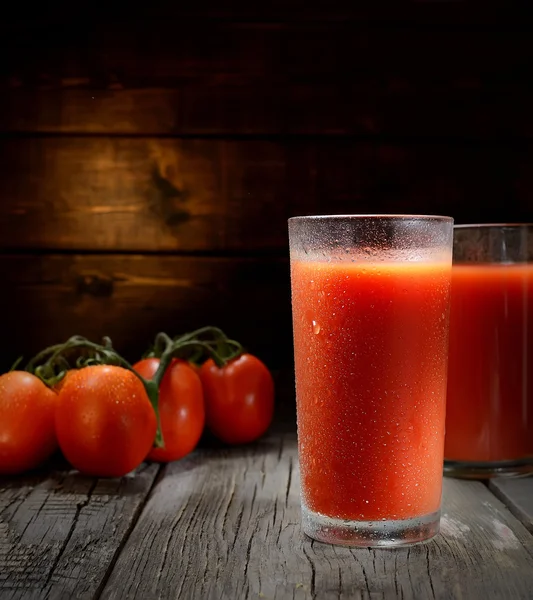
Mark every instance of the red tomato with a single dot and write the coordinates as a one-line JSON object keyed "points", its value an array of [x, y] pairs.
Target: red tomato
{"points": [[239, 399], [181, 408], [105, 423], [27, 433]]}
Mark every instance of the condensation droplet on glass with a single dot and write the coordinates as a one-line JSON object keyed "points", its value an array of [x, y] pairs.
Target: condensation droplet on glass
{"points": [[316, 327]]}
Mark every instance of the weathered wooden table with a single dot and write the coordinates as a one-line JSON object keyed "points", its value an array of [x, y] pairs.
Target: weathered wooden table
{"points": [[226, 524]]}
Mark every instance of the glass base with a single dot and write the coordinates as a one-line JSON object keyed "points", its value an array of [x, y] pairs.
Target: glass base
{"points": [[485, 470], [370, 534]]}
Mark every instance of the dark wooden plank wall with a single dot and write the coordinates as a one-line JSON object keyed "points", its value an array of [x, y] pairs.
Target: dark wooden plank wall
{"points": [[150, 159]]}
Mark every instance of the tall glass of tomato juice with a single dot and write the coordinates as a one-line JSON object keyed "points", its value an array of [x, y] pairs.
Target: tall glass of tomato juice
{"points": [[489, 420], [370, 302]]}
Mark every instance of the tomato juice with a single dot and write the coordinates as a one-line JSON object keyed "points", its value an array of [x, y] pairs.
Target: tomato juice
{"points": [[490, 403], [371, 342]]}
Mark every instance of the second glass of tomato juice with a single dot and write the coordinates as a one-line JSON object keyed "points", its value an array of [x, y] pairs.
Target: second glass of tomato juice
{"points": [[370, 302], [489, 419]]}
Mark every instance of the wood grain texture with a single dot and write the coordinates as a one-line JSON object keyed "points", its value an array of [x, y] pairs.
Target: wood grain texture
{"points": [[226, 524], [198, 76], [451, 106], [132, 297], [517, 494], [150, 194], [60, 534]]}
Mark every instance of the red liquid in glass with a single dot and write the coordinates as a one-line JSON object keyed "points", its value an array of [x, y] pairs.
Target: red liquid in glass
{"points": [[371, 352], [490, 401]]}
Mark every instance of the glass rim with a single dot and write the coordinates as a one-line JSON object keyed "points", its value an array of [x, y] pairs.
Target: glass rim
{"points": [[510, 225], [376, 216]]}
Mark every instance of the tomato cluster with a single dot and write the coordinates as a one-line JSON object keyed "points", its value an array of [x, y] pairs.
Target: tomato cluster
{"points": [[108, 418]]}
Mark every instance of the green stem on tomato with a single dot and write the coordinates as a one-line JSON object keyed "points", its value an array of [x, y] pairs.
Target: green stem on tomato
{"points": [[239, 349], [207, 348], [152, 391], [224, 350], [16, 363], [161, 343], [102, 354], [42, 355], [52, 364], [184, 347], [215, 331]]}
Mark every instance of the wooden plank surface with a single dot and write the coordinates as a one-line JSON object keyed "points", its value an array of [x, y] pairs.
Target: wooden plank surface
{"points": [[59, 535], [152, 194], [395, 105], [517, 494], [132, 297], [198, 76], [226, 524]]}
